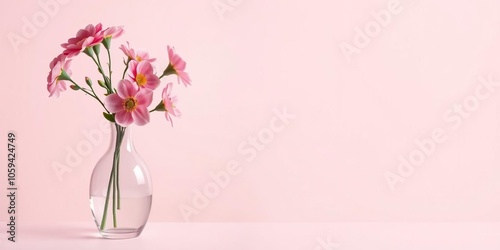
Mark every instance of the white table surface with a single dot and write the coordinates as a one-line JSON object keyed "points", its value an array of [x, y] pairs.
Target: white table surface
{"points": [[281, 236]]}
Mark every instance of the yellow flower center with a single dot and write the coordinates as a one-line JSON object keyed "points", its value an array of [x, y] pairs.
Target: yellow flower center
{"points": [[138, 58], [141, 80], [130, 104]]}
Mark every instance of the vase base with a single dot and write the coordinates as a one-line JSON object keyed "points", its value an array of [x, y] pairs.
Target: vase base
{"points": [[121, 233]]}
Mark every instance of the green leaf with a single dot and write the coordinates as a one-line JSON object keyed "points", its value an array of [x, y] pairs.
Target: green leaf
{"points": [[109, 117]]}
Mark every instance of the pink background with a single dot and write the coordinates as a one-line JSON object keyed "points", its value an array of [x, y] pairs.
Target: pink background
{"points": [[353, 119]]}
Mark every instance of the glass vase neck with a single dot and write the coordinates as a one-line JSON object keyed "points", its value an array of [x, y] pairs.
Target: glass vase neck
{"points": [[122, 136]]}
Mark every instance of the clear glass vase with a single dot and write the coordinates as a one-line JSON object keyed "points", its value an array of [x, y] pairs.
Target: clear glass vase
{"points": [[120, 188]]}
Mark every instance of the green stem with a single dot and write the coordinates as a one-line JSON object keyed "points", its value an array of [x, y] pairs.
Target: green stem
{"points": [[93, 94], [105, 213], [99, 62], [113, 179], [125, 71], [99, 67], [116, 160], [114, 198], [109, 64], [97, 98], [117, 181]]}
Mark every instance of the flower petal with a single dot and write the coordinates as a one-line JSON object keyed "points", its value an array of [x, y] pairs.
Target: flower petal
{"points": [[98, 27], [144, 97], [144, 55], [184, 77], [127, 51], [169, 119], [133, 67], [141, 116], [124, 118], [62, 85], [52, 88], [144, 67], [167, 90], [88, 41], [178, 63], [114, 103], [126, 89], [177, 112], [119, 31], [170, 53], [152, 81]]}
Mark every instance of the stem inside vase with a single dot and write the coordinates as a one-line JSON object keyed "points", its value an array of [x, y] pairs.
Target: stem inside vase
{"points": [[114, 179]]}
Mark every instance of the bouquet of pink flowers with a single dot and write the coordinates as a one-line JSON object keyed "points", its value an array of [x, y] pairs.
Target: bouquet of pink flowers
{"points": [[129, 100]]}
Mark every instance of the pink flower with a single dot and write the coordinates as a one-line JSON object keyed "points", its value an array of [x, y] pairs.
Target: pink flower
{"points": [[178, 65], [87, 37], [113, 32], [142, 74], [139, 56], [130, 104], [169, 102], [54, 85]]}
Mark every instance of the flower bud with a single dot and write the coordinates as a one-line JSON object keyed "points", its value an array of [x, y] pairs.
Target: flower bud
{"points": [[101, 83], [88, 81]]}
